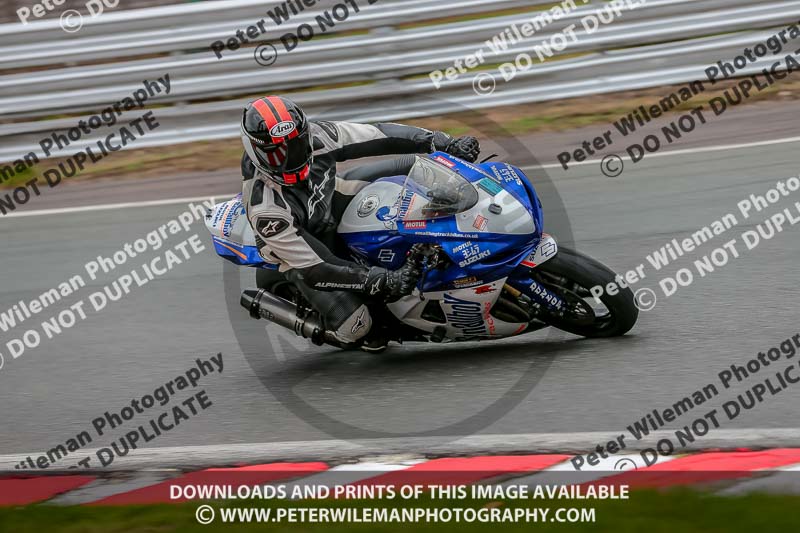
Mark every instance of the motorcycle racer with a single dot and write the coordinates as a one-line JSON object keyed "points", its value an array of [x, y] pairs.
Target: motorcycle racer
{"points": [[294, 200]]}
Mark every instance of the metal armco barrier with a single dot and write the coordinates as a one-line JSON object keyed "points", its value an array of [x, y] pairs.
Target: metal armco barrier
{"points": [[661, 42]]}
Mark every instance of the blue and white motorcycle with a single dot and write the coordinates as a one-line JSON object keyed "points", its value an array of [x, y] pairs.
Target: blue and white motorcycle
{"points": [[489, 271]]}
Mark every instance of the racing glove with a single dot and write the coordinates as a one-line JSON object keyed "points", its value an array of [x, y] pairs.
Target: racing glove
{"points": [[392, 284], [466, 148]]}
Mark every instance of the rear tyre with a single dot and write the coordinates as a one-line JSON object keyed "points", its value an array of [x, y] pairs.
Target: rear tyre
{"points": [[571, 275]]}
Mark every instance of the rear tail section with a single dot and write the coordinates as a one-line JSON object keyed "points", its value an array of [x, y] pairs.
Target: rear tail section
{"points": [[232, 235]]}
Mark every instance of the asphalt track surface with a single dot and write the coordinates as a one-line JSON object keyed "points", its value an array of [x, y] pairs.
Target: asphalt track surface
{"points": [[555, 384]]}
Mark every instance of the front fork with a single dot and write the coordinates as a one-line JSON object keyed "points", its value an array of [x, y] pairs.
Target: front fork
{"points": [[522, 280]]}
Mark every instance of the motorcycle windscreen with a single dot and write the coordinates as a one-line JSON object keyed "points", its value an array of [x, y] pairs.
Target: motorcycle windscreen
{"points": [[434, 191]]}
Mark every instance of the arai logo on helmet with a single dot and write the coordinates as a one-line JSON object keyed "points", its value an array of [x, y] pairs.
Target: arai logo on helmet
{"points": [[282, 129]]}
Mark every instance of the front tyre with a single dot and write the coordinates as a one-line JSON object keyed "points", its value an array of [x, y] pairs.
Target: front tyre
{"points": [[571, 275]]}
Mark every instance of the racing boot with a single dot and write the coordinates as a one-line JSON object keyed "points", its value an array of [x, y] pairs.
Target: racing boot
{"points": [[376, 341]]}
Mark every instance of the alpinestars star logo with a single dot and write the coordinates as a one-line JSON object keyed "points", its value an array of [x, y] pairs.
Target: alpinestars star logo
{"points": [[376, 287], [318, 194], [360, 322], [269, 227]]}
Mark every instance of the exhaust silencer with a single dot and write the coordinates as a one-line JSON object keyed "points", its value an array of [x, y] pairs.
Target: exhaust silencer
{"points": [[262, 304]]}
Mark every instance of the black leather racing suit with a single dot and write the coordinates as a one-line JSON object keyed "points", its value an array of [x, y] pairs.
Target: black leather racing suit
{"points": [[295, 226]]}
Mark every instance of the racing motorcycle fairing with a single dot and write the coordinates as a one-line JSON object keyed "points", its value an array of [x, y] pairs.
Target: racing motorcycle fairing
{"points": [[458, 314], [232, 235], [485, 221], [486, 218]]}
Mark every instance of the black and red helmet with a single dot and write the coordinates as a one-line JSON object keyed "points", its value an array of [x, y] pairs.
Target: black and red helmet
{"points": [[276, 138]]}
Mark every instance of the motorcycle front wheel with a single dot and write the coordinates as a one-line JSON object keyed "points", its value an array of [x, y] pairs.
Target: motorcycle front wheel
{"points": [[571, 275]]}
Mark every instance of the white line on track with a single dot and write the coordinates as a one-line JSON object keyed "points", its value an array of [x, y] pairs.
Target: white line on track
{"points": [[175, 201], [687, 151], [108, 207]]}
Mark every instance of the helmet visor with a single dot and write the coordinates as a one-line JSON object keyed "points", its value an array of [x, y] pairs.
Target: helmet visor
{"points": [[284, 158]]}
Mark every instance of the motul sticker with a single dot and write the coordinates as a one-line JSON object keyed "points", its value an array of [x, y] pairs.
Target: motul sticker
{"points": [[416, 224], [445, 162], [282, 129]]}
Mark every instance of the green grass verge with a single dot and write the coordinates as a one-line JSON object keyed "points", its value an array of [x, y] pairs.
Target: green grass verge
{"points": [[674, 511]]}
